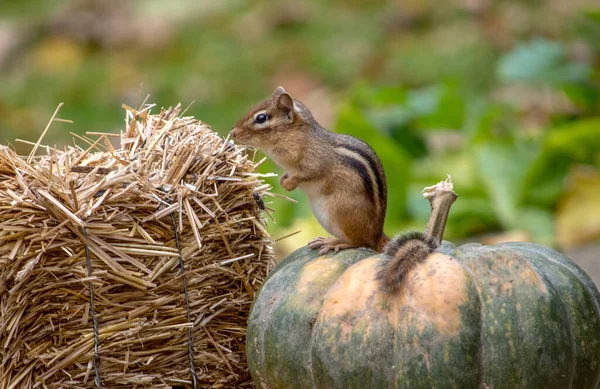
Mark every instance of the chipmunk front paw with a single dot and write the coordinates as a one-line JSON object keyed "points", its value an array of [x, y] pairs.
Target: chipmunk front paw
{"points": [[288, 182]]}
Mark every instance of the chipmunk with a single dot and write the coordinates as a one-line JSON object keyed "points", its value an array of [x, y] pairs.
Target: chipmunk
{"points": [[341, 175]]}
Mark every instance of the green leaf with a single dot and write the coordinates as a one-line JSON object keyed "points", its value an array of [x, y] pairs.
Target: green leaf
{"points": [[440, 106], [471, 216], [363, 95], [539, 223], [576, 142], [587, 27], [586, 95], [389, 119], [501, 169], [580, 139], [485, 120], [405, 116], [545, 178], [541, 61], [396, 123], [424, 101]]}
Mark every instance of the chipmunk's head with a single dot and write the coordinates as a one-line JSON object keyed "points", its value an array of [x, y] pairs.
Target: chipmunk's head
{"points": [[272, 122]]}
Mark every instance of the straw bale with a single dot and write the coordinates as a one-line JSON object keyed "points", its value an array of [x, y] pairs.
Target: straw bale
{"points": [[172, 180]]}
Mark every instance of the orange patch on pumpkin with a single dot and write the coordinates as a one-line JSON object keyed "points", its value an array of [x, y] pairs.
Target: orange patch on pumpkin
{"points": [[316, 273], [432, 296], [354, 294], [518, 265], [530, 276]]}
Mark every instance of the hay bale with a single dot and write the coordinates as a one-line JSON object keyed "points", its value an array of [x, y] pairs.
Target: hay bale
{"points": [[119, 222]]}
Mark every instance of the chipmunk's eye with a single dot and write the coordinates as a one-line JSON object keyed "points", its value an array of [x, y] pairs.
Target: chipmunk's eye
{"points": [[261, 118]]}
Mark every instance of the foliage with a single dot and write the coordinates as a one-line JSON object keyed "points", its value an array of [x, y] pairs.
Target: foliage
{"points": [[505, 96], [510, 176]]}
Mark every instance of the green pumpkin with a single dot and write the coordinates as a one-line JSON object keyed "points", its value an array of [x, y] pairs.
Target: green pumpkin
{"points": [[515, 315], [509, 316]]}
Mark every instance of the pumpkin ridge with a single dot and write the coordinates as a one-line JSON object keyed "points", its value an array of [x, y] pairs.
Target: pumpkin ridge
{"points": [[311, 344], [578, 349], [310, 355], [273, 278], [451, 252], [282, 299], [428, 356], [516, 300], [572, 268], [550, 285], [354, 311], [569, 266], [261, 362], [450, 249], [306, 281]]}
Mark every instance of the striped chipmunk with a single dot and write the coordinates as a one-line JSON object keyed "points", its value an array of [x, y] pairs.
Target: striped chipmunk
{"points": [[341, 175]]}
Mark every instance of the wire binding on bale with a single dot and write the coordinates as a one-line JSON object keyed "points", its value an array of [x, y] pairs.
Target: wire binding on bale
{"points": [[131, 266]]}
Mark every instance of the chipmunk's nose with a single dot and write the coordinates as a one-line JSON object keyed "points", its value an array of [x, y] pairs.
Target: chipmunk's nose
{"points": [[233, 132]]}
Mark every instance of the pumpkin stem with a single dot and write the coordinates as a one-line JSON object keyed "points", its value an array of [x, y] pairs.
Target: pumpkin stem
{"points": [[441, 197]]}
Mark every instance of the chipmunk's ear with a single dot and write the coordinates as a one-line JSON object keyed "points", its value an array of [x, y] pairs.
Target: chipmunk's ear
{"points": [[278, 92], [285, 102]]}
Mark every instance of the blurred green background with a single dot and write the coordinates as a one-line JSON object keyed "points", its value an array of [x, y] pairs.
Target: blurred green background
{"points": [[504, 95]]}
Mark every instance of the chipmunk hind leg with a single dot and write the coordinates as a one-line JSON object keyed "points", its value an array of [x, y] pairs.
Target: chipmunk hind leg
{"points": [[351, 227], [325, 245]]}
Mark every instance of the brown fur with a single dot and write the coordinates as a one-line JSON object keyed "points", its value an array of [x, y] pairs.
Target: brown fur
{"points": [[404, 252], [341, 175]]}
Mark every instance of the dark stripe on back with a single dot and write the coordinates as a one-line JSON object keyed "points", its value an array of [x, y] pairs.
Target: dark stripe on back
{"points": [[375, 167], [361, 169]]}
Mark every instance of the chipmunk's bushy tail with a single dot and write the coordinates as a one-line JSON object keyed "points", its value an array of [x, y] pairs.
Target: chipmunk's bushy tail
{"points": [[405, 252]]}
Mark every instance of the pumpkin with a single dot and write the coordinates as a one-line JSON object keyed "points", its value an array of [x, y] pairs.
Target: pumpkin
{"points": [[514, 315]]}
